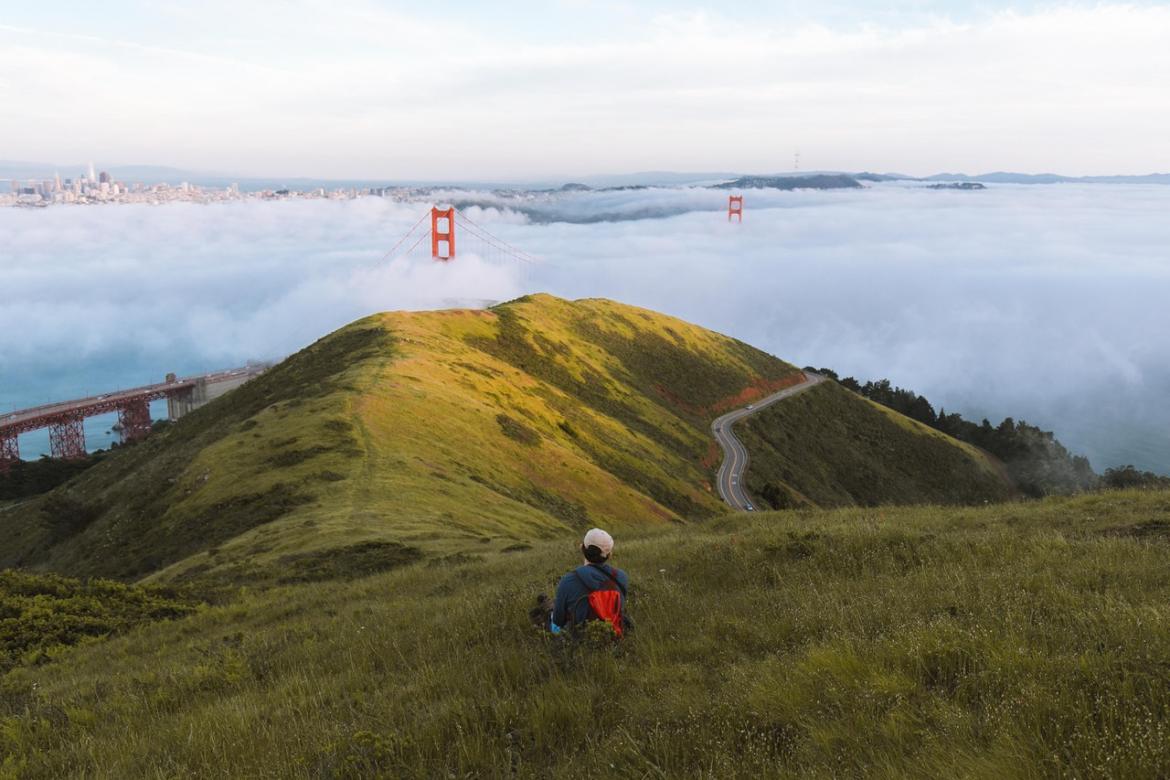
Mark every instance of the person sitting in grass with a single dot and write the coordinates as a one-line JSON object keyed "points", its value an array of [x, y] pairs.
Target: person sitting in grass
{"points": [[593, 591]]}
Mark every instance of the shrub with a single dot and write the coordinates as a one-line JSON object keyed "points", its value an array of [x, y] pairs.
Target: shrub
{"points": [[66, 516], [40, 612], [517, 430], [347, 563]]}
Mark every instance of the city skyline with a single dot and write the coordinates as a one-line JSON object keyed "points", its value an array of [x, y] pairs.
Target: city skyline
{"points": [[360, 89], [94, 187]]}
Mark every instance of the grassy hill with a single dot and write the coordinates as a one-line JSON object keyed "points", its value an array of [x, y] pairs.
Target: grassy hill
{"points": [[1014, 640], [469, 433], [829, 447], [407, 434]]}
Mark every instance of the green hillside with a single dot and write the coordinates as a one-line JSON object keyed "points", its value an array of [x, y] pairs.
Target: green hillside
{"points": [[1014, 640], [468, 433], [408, 434], [829, 447]]}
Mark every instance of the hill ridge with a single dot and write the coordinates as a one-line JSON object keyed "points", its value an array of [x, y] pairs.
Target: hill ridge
{"points": [[438, 434]]}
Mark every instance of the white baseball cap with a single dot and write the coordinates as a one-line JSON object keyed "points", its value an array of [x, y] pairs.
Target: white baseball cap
{"points": [[599, 539]]}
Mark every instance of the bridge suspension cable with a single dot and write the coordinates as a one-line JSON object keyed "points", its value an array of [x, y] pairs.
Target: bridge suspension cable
{"points": [[474, 237], [402, 240], [481, 233]]}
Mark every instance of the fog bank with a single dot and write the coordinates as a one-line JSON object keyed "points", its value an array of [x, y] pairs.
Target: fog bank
{"points": [[1046, 303]]}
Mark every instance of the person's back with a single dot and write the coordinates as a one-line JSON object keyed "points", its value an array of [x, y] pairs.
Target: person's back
{"points": [[595, 590]]}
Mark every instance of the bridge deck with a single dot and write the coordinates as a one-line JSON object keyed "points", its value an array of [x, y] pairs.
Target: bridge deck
{"points": [[25, 420]]}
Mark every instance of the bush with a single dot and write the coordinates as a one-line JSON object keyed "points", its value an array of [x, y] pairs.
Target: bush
{"points": [[66, 516], [347, 563], [1129, 477], [39, 613], [518, 431], [33, 477]]}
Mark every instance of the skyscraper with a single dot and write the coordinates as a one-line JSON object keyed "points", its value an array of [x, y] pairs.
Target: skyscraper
{"points": [[92, 174]]}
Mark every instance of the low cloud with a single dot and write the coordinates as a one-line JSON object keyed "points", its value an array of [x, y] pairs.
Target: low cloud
{"points": [[101, 298], [1045, 303]]}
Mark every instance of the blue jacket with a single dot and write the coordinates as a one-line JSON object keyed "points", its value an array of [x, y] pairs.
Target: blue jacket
{"points": [[572, 604]]}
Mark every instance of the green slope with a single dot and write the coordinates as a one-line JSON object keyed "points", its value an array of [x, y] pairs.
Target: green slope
{"points": [[408, 434], [1018, 640], [830, 447], [468, 433]]}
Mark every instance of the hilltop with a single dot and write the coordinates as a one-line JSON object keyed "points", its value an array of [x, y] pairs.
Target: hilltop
{"points": [[449, 435]]}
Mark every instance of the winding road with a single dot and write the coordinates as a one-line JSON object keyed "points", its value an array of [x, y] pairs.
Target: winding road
{"points": [[735, 455]]}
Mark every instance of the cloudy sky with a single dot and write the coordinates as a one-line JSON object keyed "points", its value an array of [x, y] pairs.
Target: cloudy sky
{"points": [[514, 90]]}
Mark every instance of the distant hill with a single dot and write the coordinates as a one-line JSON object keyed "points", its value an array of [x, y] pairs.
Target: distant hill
{"points": [[822, 181], [1001, 177], [16, 169], [457, 433]]}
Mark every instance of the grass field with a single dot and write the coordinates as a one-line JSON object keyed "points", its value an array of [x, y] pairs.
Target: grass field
{"points": [[1014, 640]]}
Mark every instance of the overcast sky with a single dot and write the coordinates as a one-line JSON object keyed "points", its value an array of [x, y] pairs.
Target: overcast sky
{"points": [[461, 90]]}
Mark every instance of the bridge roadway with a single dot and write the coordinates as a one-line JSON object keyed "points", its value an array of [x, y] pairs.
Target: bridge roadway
{"points": [[26, 420], [735, 455]]}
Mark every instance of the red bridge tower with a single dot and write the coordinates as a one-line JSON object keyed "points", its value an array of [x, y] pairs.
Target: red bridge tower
{"points": [[9, 451], [443, 233], [735, 207], [134, 419], [67, 438]]}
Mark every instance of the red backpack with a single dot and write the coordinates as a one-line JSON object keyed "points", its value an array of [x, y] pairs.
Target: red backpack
{"points": [[606, 603]]}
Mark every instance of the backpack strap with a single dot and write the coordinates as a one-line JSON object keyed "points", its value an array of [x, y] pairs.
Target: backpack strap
{"points": [[579, 599], [612, 575]]}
